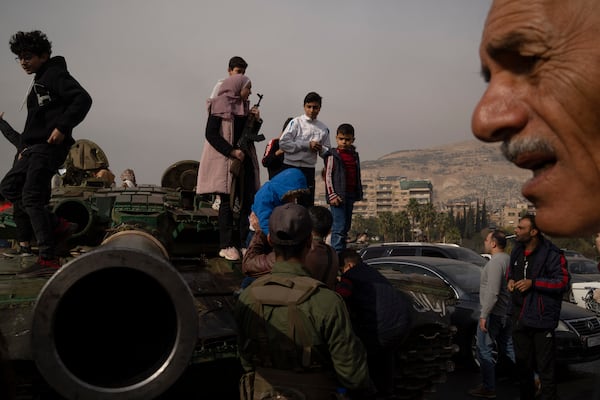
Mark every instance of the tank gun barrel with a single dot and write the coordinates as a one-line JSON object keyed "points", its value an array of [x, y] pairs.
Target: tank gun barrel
{"points": [[116, 323]]}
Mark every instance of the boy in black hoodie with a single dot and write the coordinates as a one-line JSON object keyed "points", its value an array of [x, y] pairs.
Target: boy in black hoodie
{"points": [[56, 103]]}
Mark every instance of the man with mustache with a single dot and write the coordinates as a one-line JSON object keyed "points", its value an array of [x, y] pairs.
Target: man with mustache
{"points": [[541, 60], [537, 278]]}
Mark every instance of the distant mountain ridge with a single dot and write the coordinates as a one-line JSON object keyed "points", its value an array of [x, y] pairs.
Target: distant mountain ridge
{"points": [[463, 171]]}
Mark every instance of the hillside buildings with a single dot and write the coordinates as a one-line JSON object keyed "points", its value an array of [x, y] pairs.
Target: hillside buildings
{"points": [[393, 193], [389, 194]]}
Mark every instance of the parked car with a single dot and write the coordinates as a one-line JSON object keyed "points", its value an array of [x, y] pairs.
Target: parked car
{"points": [[583, 266], [577, 334], [443, 250], [572, 253], [585, 283]]}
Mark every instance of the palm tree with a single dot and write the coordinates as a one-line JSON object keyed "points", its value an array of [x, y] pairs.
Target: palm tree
{"points": [[414, 213]]}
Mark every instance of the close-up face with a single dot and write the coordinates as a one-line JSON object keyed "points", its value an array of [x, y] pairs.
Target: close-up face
{"points": [[541, 59], [312, 109], [30, 62], [523, 231], [344, 141]]}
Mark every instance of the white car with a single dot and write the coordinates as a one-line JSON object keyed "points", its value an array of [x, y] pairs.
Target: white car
{"points": [[585, 283]]}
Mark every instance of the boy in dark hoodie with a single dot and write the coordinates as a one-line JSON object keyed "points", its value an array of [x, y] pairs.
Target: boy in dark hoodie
{"points": [[56, 104]]}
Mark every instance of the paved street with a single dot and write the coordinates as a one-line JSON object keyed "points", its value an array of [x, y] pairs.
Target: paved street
{"points": [[576, 382]]}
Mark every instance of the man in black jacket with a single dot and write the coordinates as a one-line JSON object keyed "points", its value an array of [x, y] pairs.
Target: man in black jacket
{"points": [[537, 278], [380, 316], [56, 103]]}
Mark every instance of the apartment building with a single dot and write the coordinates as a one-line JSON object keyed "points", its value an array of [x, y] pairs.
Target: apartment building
{"points": [[392, 194], [508, 215]]}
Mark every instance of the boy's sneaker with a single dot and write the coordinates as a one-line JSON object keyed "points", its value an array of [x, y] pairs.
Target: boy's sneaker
{"points": [[230, 253], [22, 251], [42, 267], [481, 391]]}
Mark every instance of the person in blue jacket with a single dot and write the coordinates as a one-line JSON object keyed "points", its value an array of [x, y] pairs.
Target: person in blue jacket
{"points": [[285, 187]]}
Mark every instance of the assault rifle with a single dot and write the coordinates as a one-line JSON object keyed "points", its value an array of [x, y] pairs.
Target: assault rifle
{"points": [[250, 132]]}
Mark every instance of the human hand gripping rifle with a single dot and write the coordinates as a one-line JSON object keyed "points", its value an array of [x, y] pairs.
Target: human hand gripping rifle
{"points": [[250, 133]]}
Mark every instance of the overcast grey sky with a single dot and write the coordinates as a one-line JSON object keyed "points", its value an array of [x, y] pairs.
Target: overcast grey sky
{"points": [[404, 73]]}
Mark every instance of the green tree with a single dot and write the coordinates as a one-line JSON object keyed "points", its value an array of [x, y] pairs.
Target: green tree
{"points": [[428, 220], [361, 224], [469, 223], [414, 214], [446, 230], [403, 223], [485, 221], [394, 226]]}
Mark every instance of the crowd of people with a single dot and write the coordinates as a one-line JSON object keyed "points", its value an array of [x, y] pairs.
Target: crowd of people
{"points": [[295, 333], [231, 173]]}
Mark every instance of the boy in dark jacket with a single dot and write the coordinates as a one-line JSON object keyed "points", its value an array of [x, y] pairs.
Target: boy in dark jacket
{"points": [[56, 104], [380, 316], [343, 185], [322, 260]]}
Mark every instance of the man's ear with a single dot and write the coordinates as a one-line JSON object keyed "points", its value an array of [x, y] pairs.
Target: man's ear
{"points": [[269, 239], [532, 233], [44, 57]]}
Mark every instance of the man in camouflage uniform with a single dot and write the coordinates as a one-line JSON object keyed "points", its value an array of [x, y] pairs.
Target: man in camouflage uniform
{"points": [[295, 334]]}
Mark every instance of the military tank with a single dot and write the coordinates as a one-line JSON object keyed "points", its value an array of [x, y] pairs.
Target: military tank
{"points": [[142, 308]]}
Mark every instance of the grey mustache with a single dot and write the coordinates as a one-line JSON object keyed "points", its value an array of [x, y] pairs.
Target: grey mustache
{"points": [[511, 149]]}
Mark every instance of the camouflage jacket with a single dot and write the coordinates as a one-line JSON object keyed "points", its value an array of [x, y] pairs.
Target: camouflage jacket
{"points": [[334, 344]]}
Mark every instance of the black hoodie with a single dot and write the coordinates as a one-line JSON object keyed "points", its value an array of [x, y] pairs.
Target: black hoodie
{"points": [[56, 100]]}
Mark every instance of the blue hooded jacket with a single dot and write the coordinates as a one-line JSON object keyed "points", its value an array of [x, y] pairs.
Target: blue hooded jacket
{"points": [[270, 195]]}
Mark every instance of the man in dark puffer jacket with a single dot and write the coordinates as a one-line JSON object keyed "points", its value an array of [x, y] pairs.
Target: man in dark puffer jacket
{"points": [[537, 278]]}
